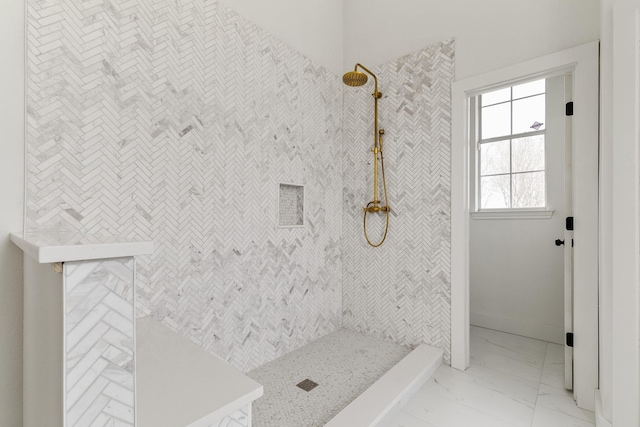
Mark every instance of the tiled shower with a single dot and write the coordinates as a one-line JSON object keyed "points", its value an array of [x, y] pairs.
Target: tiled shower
{"points": [[401, 290], [176, 123]]}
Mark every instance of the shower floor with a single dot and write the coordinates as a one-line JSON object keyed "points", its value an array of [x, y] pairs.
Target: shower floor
{"points": [[343, 363]]}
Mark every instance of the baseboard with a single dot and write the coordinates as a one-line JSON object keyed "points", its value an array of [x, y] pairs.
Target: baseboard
{"points": [[601, 421], [538, 331]]}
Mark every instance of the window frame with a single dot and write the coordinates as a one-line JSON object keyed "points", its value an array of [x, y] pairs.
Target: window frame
{"points": [[476, 108]]}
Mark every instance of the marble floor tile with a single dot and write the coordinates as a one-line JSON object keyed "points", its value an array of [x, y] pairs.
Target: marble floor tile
{"points": [[553, 369], [521, 390], [561, 401], [524, 361], [442, 412], [464, 388], [512, 381], [511, 342], [544, 417]]}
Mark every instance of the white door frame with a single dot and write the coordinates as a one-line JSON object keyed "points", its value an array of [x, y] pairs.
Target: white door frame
{"points": [[626, 211], [582, 62]]}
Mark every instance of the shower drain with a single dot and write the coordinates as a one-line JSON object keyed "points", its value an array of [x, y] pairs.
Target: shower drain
{"points": [[307, 385]]}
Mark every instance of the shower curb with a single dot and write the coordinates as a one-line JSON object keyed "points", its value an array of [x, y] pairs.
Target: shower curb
{"points": [[384, 399]]}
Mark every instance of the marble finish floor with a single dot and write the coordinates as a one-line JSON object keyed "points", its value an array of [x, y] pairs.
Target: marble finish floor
{"points": [[344, 364], [513, 381]]}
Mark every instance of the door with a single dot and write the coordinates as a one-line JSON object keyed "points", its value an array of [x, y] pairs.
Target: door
{"points": [[568, 239], [582, 63], [516, 269]]}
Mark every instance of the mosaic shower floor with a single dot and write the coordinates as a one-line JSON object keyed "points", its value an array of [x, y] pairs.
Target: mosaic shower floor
{"points": [[344, 364]]}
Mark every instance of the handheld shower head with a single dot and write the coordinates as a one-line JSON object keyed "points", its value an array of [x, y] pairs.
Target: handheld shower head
{"points": [[354, 78]]}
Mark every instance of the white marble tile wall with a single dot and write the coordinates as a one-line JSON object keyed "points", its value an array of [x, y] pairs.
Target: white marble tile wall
{"points": [[99, 339], [513, 381], [175, 122], [401, 290]]}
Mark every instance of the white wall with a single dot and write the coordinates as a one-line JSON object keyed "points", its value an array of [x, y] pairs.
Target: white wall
{"points": [[11, 212], [625, 218], [313, 27], [516, 271], [489, 34], [606, 208]]}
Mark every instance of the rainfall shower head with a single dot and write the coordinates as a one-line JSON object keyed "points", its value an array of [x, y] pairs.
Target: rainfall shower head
{"points": [[358, 78], [354, 78]]}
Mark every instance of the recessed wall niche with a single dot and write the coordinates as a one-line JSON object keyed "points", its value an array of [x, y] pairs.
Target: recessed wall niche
{"points": [[291, 205]]}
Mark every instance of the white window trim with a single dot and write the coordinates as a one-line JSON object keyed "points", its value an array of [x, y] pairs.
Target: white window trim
{"points": [[475, 127], [534, 213]]}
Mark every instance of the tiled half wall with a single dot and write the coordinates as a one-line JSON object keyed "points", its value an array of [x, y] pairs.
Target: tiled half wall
{"points": [[99, 342], [175, 122], [401, 290]]}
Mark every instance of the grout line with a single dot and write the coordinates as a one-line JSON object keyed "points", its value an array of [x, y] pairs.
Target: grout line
{"points": [[535, 406]]}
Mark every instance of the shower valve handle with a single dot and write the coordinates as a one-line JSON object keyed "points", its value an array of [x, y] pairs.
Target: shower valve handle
{"points": [[376, 208]]}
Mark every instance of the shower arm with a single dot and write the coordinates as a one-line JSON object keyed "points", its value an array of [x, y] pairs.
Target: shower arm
{"points": [[377, 143], [376, 94]]}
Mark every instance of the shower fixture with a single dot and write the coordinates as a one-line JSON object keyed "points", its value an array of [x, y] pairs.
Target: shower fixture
{"points": [[357, 78]]}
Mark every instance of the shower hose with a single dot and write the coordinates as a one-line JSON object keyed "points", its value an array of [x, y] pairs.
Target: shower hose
{"points": [[386, 203]]}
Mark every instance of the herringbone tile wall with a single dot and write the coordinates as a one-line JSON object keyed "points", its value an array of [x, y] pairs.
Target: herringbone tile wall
{"points": [[99, 339], [175, 121], [401, 290]]}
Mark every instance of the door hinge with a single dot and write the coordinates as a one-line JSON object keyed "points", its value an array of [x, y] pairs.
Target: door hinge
{"points": [[569, 108], [569, 223], [570, 339]]}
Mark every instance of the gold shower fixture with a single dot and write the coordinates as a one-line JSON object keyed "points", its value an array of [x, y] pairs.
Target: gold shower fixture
{"points": [[357, 78]]}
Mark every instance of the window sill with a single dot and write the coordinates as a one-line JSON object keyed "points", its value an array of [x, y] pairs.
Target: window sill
{"points": [[513, 214]]}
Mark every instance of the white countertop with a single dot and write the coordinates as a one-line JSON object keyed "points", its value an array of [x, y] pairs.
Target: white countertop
{"points": [[180, 384], [49, 247]]}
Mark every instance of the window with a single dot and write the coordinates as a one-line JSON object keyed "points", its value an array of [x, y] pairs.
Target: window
{"points": [[511, 147]]}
